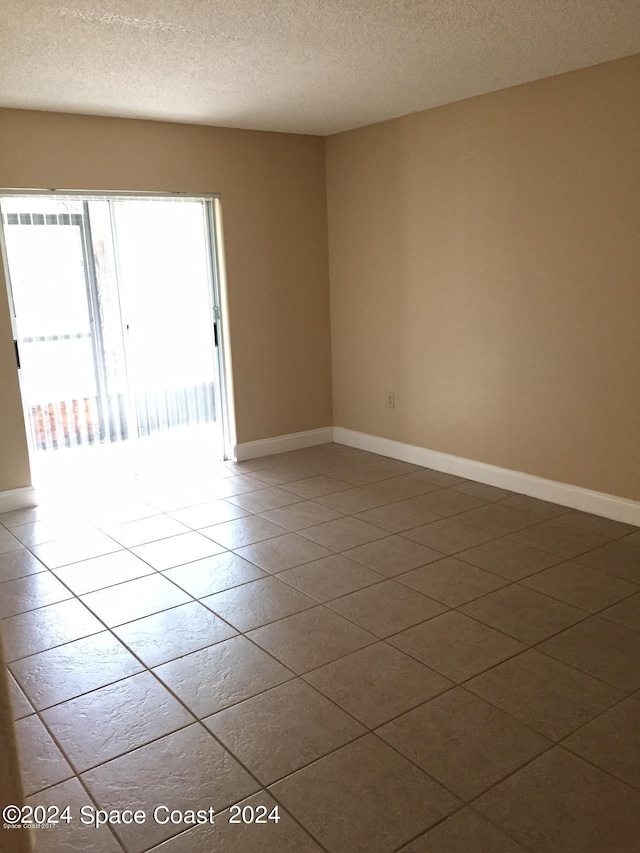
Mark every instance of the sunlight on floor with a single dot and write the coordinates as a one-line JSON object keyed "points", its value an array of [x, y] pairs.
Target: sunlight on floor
{"points": [[182, 461]]}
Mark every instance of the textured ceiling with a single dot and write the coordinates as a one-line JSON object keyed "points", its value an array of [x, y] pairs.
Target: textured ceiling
{"points": [[305, 66]]}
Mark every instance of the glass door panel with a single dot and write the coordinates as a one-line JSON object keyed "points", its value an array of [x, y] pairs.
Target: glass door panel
{"points": [[165, 284], [56, 341]]}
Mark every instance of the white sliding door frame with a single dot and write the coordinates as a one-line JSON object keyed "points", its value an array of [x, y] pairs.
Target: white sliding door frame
{"points": [[223, 383]]}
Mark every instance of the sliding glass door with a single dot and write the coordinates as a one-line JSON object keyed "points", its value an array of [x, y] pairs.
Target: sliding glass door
{"points": [[116, 317]]}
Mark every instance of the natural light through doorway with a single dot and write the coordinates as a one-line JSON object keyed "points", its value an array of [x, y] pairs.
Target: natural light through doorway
{"points": [[117, 327]]}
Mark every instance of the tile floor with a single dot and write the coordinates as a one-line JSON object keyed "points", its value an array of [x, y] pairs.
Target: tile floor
{"points": [[395, 658]]}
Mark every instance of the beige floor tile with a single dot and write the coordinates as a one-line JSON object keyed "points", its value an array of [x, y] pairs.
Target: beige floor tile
{"points": [[364, 797], [230, 486], [48, 530], [398, 517], [560, 539], [313, 456], [397, 466], [386, 608], [134, 599], [228, 468], [600, 648], [256, 603], [221, 675], [362, 475], [19, 564], [327, 467], [446, 502], [498, 519], [276, 475], [612, 741], [451, 581], [350, 456], [207, 514], [355, 456], [172, 633], [47, 627], [264, 499], [20, 705], [581, 586], [283, 552], [30, 592], [329, 577], [15, 517], [632, 539], [352, 500], [552, 698], [146, 530], [115, 720], [464, 743], [303, 514], [107, 512], [448, 536], [8, 542], [343, 533], [184, 770], [315, 487], [400, 488], [41, 762], [65, 551], [544, 509], [393, 555], [524, 614], [377, 683], [456, 646], [310, 639], [625, 613], [508, 558], [177, 550], [283, 836], [101, 572], [250, 730], [248, 466], [243, 531], [309, 456], [337, 455], [438, 478], [483, 491], [597, 524], [75, 668], [214, 574], [616, 558], [167, 497], [533, 805], [71, 837], [463, 832]]}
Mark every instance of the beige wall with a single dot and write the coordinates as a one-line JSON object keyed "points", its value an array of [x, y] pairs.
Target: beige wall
{"points": [[485, 266], [274, 209]]}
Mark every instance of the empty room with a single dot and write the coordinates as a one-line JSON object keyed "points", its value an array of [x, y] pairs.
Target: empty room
{"points": [[320, 427]]}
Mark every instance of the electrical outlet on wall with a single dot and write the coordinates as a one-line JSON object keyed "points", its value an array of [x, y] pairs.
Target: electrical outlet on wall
{"points": [[391, 400]]}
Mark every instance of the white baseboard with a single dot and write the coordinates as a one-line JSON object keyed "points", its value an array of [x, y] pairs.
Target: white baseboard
{"points": [[18, 499], [575, 497], [281, 444]]}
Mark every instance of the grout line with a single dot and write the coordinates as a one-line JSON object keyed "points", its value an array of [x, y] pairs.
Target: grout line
{"points": [[196, 720], [75, 775]]}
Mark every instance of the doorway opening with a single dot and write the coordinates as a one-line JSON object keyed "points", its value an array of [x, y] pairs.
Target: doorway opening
{"points": [[117, 326]]}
